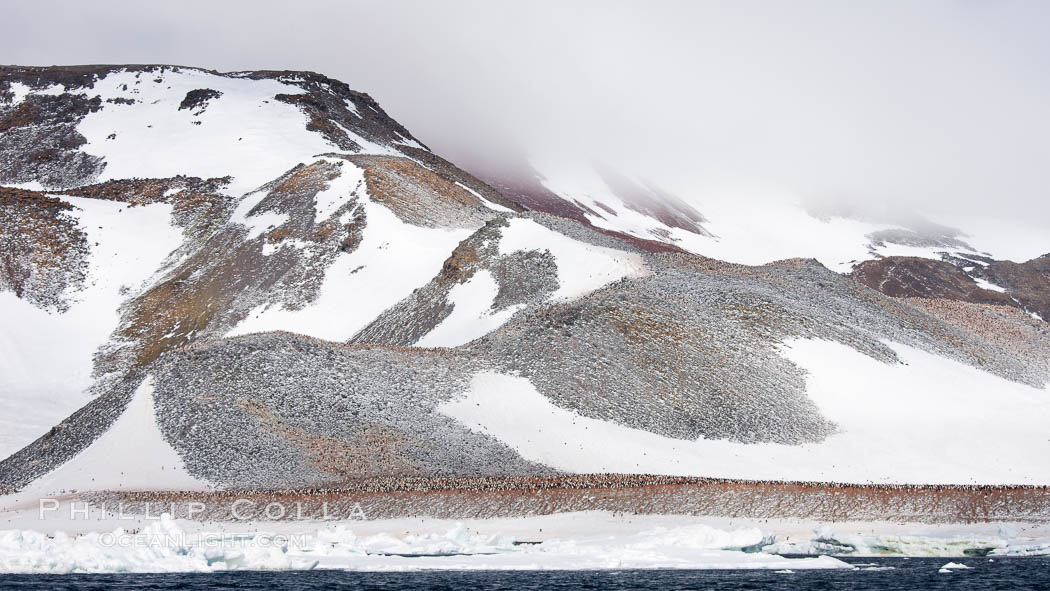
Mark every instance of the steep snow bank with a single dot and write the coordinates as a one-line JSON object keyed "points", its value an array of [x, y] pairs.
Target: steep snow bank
{"points": [[472, 315], [928, 420], [582, 267], [131, 455], [46, 358]]}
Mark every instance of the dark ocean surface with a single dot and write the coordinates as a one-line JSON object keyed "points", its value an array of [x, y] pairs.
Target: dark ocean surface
{"points": [[871, 573]]}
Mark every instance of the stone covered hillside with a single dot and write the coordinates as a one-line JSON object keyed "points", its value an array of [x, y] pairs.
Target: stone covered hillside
{"points": [[308, 296]]}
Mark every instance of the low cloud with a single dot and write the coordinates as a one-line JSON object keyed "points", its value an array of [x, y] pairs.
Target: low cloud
{"points": [[937, 106]]}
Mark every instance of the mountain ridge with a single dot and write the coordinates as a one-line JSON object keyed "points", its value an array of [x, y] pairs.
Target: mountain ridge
{"points": [[287, 268]]}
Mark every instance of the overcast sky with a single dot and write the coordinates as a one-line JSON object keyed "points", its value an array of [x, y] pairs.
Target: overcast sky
{"points": [[938, 104]]}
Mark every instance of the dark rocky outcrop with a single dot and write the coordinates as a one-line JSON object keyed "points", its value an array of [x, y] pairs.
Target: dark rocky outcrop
{"points": [[1027, 283], [1024, 285], [903, 277]]}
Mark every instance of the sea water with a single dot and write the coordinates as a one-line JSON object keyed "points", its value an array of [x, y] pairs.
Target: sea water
{"points": [[868, 573]]}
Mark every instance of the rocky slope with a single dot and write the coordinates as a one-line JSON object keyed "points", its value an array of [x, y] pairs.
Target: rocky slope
{"points": [[311, 295], [980, 280]]}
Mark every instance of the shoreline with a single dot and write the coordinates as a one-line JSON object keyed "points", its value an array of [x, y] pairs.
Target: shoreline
{"points": [[489, 497]]}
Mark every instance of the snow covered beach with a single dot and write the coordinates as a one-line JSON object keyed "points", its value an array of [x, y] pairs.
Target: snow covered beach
{"points": [[571, 541]]}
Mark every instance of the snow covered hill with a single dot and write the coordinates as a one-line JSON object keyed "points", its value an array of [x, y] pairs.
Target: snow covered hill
{"points": [[157, 170], [285, 288]]}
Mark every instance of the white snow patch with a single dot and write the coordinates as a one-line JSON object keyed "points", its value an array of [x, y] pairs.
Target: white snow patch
{"points": [[338, 191], [582, 267], [248, 133], [472, 315], [46, 358], [256, 223], [269, 248], [985, 284], [53, 90], [28, 186], [410, 143], [20, 91], [485, 202], [927, 420], [903, 250], [352, 107], [366, 146]]}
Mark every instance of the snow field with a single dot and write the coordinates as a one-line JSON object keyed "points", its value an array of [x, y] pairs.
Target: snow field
{"points": [[46, 358], [928, 420], [249, 134]]}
